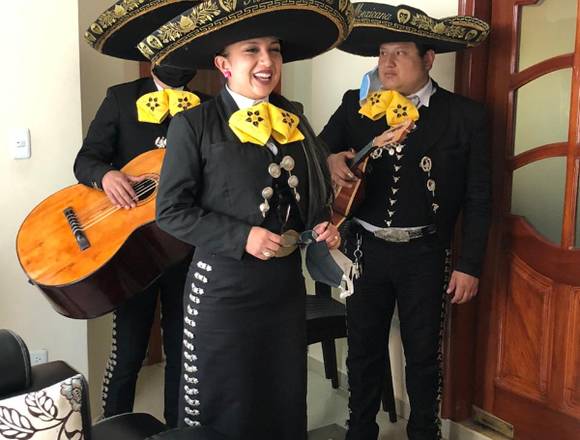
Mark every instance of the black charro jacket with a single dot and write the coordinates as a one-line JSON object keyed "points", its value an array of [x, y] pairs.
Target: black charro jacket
{"points": [[453, 134], [211, 183], [115, 136]]}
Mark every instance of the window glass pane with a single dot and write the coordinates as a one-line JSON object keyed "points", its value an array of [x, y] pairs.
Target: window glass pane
{"points": [[538, 195], [542, 110], [547, 29]]}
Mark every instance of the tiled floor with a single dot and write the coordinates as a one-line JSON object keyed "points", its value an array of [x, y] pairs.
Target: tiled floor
{"points": [[326, 406]]}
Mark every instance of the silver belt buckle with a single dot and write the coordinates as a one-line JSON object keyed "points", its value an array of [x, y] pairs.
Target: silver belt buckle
{"points": [[394, 235]]}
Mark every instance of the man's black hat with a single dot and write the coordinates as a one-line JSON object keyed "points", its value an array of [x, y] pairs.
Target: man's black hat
{"points": [[378, 23]]}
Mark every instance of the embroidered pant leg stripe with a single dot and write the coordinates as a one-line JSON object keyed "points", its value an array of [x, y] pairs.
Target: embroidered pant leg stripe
{"points": [[109, 366], [191, 394]]}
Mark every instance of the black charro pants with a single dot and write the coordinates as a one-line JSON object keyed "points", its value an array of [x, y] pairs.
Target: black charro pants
{"points": [[410, 275], [131, 329], [244, 347]]}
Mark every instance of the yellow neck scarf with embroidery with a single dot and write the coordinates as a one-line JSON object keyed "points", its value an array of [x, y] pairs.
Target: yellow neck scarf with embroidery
{"points": [[262, 121], [391, 104], [155, 106]]}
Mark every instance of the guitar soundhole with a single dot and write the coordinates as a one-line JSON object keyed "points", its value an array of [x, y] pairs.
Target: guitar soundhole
{"points": [[146, 189]]}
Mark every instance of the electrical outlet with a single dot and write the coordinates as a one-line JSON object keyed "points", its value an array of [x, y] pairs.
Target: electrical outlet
{"points": [[38, 357]]}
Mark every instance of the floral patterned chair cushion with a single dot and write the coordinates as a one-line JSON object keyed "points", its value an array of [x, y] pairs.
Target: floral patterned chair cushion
{"points": [[52, 413]]}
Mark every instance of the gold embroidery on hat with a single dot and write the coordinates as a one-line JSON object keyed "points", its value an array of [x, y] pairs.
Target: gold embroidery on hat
{"points": [[144, 49], [228, 5], [458, 29], [90, 37], [403, 15], [96, 28], [471, 35], [154, 42]]}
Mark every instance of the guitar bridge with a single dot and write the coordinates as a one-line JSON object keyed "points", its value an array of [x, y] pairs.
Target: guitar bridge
{"points": [[76, 229]]}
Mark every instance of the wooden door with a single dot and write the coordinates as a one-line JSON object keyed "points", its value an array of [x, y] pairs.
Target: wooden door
{"points": [[528, 332]]}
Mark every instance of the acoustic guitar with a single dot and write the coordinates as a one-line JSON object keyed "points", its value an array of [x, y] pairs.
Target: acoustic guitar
{"points": [[346, 200], [88, 256]]}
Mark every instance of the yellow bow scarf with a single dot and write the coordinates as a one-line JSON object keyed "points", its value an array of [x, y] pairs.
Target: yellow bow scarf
{"points": [[391, 104], [258, 123], [155, 106]]}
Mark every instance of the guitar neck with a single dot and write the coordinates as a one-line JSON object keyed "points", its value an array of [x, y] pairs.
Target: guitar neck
{"points": [[361, 155]]}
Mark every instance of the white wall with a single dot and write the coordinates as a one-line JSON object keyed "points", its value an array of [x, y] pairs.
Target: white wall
{"points": [[40, 90], [47, 68], [98, 72], [319, 84]]}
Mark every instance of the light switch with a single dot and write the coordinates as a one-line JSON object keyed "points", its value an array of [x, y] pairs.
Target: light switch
{"points": [[20, 143]]}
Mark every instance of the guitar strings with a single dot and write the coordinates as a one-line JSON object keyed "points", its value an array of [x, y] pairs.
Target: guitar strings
{"points": [[112, 208], [91, 221], [104, 214], [105, 203]]}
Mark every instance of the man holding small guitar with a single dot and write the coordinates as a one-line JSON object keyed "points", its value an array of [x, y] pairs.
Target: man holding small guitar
{"points": [[132, 119], [415, 188]]}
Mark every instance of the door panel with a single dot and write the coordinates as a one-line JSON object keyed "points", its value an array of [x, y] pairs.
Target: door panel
{"points": [[572, 379], [530, 342], [523, 366]]}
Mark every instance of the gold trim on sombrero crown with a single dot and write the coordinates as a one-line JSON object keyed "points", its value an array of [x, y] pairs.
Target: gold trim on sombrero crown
{"points": [[122, 13], [212, 17], [376, 23]]}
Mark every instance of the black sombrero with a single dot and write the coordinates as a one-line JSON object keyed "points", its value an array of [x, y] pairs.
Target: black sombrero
{"points": [[117, 31], [306, 28], [377, 23]]}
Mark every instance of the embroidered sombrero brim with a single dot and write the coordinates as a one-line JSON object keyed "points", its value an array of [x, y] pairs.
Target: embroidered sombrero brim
{"points": [[306, 28], [377, 23], [119, 29]]}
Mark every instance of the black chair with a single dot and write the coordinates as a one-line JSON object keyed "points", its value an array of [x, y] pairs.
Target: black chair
{"points": [[52, 399], [326, 322]]}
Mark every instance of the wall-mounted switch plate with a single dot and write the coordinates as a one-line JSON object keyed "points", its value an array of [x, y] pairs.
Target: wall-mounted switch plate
{"points": [[19, 142]]}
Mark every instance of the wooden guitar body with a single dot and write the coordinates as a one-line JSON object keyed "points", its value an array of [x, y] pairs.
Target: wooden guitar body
{"points": [[346, 200], [87, 256]]}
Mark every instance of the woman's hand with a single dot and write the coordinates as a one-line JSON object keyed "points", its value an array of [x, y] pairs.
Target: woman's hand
{"points": [[328, 232], [119, 189], [262, 243]]}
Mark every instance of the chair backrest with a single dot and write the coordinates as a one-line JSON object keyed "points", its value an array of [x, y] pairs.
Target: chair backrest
{"points": [[14, 363]]}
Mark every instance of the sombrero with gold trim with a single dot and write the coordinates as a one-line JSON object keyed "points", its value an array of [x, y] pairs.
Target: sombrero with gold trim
{"points": [[117, 31], [306, 28], [378, 23]]}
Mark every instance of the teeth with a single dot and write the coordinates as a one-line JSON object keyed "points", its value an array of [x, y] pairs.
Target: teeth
{"points": [[263, 75]]}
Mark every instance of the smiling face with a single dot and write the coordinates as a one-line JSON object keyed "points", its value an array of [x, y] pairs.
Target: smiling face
{"points": [[402, 68], [254, 66]]}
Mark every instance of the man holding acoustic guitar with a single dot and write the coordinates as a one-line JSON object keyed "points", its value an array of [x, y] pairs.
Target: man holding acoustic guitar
{"points": [[133, 119], [415, 188]]}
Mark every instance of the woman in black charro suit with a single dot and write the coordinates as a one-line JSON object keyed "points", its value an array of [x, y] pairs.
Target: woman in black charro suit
{"points": [[236, 191]]}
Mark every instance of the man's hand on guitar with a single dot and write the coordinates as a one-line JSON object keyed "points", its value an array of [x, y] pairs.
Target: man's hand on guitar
{"points": [[339, 171], [118, 187]]}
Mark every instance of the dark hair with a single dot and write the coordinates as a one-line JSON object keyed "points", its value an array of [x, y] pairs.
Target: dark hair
{"points": [[422, 49]]}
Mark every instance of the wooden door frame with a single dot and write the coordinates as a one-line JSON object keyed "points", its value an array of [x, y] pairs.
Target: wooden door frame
{"points": [[460, 351]]}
